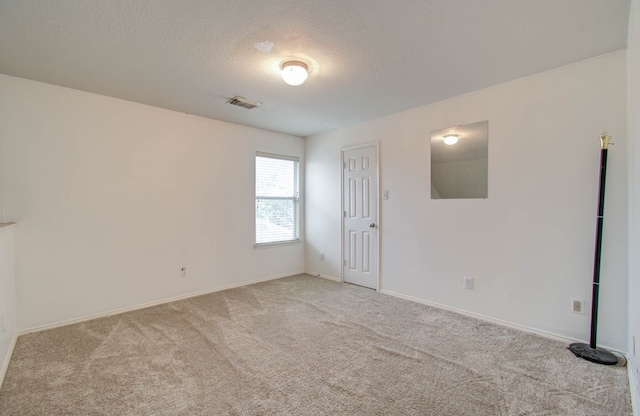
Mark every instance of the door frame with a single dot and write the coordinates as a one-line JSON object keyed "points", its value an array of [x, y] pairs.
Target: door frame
{"points": [[376, 145]]}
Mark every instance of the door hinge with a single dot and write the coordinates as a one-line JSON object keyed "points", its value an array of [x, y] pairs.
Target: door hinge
{"points": [[344, 262], [345, 214]]}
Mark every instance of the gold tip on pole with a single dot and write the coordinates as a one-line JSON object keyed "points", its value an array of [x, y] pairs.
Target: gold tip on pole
{"points": [[604, 140]]}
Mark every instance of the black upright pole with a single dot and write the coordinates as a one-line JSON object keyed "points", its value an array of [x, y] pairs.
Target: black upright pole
{"points": [[591, 352], [595, 294]]}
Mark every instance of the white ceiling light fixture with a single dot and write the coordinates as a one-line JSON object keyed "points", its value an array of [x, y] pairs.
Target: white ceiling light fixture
{"points": [[450, 139], [294, 72]]}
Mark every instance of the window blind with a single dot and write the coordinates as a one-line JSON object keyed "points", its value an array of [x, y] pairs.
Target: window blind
{"points": [[277, 198]]}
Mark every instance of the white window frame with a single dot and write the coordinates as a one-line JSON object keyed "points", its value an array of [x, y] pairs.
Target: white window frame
{"points": [[295, 199]]}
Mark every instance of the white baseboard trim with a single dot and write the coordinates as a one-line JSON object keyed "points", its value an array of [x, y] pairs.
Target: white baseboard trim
{"points": [[150, 304], [324, 276], [7, 358], [508, 324]]}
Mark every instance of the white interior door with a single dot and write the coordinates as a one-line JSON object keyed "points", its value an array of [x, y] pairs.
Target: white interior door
{"points": [[360, 211]]}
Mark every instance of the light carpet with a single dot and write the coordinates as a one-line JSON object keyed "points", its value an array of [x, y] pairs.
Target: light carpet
{"points": [[302, 346]]}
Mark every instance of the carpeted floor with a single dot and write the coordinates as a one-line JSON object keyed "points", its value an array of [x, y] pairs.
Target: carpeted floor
{"points": [[302, 346]]}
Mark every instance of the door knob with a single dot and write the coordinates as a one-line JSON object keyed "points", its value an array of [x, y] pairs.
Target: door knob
{"points": [[372, 225]]}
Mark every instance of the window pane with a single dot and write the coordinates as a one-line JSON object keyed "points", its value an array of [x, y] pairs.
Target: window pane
{"points": [[276, 220], [276, 177], [277, 206]]}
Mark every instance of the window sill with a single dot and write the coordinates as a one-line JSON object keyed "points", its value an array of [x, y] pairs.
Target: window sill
{"points": [[276, 244]]}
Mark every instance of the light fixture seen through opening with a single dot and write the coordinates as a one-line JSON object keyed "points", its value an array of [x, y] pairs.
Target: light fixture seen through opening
{"points": [[294, 72], [450, 139]]}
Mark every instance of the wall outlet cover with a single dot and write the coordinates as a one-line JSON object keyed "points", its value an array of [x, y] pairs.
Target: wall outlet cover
{"points": [[577, 306]]}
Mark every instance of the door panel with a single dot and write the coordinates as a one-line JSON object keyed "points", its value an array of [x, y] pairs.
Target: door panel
{"points": [[366, 198], [366, 252], [352, 249], [360, 199], [352, 198]]}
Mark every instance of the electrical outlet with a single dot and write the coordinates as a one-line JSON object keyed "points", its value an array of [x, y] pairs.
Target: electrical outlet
{"points": [[468, 283], [577, 306], [183, 272], [321, 256]]}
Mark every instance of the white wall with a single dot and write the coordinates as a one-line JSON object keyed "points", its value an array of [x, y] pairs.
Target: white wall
{"points": [[529, 246], [114, 197], [7, 298], [633, 73]]}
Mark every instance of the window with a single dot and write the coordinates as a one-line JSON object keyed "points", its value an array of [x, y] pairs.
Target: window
{"points": [[277, 198]]}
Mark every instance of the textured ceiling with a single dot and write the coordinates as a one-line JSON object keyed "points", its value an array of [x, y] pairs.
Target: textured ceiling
{"points": [[368, 57]]}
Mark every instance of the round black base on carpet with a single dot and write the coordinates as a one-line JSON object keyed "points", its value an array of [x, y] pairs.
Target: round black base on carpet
{"points": [[595, 355]]}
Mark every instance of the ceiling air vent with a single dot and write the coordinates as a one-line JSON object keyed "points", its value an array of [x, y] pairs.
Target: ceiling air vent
{"points": [[243, 102]]}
